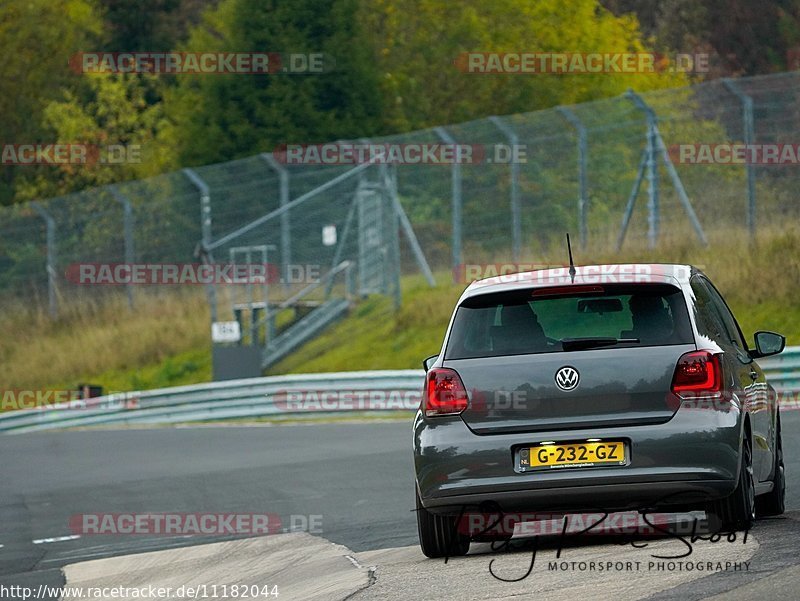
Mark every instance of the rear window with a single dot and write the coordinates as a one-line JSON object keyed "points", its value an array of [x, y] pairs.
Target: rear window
{"points": [[532, 321]]}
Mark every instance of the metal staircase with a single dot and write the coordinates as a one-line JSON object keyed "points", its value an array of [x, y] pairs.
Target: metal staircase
{"points": [[321, 316], [304, 330], [366, 261]]}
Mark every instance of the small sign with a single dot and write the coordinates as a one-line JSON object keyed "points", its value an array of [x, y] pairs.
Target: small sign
{"points": [[226, 331], [329, 235]]}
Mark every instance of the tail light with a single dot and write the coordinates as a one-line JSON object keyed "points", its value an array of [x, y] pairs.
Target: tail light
{"points": [[697, 372], [445, 393]]}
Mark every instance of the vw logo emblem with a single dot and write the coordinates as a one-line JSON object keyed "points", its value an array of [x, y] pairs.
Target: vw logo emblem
{"points": [[567, 378]]}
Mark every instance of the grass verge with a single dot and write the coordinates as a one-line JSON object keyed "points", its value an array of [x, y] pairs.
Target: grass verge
{"points": [[165, 340]]}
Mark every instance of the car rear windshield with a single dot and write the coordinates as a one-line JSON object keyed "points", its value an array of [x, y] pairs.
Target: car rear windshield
{"points": [[546, 321]]}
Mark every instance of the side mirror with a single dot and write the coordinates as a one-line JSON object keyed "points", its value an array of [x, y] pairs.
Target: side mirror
{"points": [[767, 344], [428, 363]]}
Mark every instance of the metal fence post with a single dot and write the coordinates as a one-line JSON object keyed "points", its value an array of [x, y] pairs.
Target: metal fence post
{"points": [[583, 199], [748, 127], [653, 211], [516, 215], [455, 184], [52, 282], [656, 147], [408, 230], [626, 217], [286, 231], [127, 224], [391, 227], [205, 226]]}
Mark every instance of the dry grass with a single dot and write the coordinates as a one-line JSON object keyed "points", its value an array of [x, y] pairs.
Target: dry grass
{"points": [[99, 340], [761, 283], [165, 341]]}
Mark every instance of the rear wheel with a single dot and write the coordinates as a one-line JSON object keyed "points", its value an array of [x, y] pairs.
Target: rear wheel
{"points": [[773, 503], [738, 510], [438, 534]]}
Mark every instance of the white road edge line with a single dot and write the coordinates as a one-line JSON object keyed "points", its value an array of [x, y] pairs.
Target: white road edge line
{"points": [[55, 539]]}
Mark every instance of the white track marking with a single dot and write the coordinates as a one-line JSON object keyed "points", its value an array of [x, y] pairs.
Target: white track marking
{"points": [[55, 539]]}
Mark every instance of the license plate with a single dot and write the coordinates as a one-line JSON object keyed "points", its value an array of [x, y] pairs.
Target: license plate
{"points": [[581, 454]]}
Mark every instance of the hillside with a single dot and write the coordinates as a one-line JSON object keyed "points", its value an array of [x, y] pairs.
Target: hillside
{"points": [[164, 342]]}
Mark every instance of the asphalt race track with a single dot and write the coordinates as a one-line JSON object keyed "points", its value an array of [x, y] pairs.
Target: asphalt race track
{"points": [[357, 478]]}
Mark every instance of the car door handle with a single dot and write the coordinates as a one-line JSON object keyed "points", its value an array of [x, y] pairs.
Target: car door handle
{"points": [[753, 374]]}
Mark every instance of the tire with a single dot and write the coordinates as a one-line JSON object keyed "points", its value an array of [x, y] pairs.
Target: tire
{"points": [[738, 510], [438, 534], [774, 502]]}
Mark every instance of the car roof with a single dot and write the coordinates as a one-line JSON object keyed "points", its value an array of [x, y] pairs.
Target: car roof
{"points": [[612, 273]]}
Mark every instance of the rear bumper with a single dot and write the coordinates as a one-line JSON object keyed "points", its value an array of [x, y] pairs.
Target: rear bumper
{"points": [[691, 459], [682, 494]]}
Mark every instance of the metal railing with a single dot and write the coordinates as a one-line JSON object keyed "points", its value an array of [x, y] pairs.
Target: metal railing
{"points": [[783, 371], [290, 396], [285, 397]]}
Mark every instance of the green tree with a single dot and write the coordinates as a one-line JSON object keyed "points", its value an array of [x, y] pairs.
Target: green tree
{"points": [[37, 38], [150, 25], [415, 44], [221, 117], [742, 36], [118, 110]]}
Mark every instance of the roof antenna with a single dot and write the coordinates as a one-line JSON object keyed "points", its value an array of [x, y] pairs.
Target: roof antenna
{"points": [[572, 271]]}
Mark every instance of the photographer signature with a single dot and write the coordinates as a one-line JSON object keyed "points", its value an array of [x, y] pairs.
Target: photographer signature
{"points": [[688, 541]]}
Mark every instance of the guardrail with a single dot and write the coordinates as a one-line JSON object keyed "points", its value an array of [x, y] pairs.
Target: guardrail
{"points": [[783, 371], [289, 397]]}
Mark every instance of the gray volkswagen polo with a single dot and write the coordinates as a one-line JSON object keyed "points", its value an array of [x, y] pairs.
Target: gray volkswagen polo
{"points": [[611, 387]]}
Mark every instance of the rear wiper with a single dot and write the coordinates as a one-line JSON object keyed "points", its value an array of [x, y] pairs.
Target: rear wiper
{"points": [[577, 344]]}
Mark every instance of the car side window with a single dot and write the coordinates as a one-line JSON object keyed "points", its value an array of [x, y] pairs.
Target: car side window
{"points": [[709, 321], [732, 329]]}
